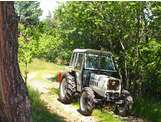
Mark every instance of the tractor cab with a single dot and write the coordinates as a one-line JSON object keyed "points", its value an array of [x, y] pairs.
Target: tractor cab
{"points": [[84, 62]]}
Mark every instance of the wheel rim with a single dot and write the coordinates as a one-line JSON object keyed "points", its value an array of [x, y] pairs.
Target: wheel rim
{"points": [[83, 102], [63, 88]]}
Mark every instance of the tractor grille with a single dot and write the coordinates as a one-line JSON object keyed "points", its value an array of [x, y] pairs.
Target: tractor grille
{"points": [[113, 85]]}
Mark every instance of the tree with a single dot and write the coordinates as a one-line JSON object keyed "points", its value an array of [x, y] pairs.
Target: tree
{"points": [[29, 12], [14, 102]]}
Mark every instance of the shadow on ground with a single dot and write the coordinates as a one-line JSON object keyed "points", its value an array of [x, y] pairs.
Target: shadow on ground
{"points": [[40, 112]]}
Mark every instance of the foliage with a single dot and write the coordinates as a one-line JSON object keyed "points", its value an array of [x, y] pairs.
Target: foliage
{"points": [[28, 11], [124, 28], [151, 62], [25, 46], [148, 108], [130, 30]]}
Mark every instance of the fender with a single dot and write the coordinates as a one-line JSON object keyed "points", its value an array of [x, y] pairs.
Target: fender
{"points": [[59, 76]]}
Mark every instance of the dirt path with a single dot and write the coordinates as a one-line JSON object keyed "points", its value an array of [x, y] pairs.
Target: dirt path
{"points": [[68, 112]]}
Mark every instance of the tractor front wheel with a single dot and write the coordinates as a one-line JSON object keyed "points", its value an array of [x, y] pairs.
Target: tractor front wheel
{"points": [[87, 101], [125, 108]]}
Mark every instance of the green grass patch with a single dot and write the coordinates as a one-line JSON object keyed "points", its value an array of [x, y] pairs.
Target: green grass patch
{"points": [[104, 116], [100, 115], [148, 108], [41, 66], [38, 64], [54, 91], [40, 113]]}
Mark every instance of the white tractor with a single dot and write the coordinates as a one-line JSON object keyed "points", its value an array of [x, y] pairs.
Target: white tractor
{"points": [[92, 74]]}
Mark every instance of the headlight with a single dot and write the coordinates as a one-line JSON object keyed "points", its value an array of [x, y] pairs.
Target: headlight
{"points": [[113, 84]]}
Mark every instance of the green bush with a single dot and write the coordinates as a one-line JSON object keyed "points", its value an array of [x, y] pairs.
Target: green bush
{"points": [[148, 108]]}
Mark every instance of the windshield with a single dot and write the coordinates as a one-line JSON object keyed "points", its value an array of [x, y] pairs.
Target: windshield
{"points": [[98, 62]]}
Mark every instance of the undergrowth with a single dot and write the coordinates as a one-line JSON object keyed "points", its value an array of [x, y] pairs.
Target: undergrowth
{"points": [[148, 108]]}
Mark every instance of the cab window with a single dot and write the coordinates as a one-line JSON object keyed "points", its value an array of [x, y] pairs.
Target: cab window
{"points": [[79, 62], [72, 60]]}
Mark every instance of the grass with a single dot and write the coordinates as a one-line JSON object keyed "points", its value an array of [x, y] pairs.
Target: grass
{"points": [[101, 115], [104, 116], [54, 91], [42, 67], [40, 113], [148, 108]]}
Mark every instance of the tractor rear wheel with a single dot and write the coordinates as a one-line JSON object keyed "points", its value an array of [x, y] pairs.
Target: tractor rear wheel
{"points": [[67, 89]]}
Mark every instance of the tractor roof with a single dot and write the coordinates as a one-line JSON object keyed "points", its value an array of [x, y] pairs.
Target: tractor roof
{"points": [[92, 51]]}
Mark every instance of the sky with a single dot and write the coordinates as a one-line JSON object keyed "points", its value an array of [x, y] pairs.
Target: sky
{"points": [[46, 6]]}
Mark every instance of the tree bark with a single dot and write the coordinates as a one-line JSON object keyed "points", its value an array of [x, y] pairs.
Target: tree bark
{"points": [[14, 102]]}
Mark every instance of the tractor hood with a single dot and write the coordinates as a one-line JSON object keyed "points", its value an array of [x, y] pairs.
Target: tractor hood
{"points": [[102, 78], [103, 83]]}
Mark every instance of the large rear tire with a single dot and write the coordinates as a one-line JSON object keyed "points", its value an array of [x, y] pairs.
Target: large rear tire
{"points": [[67, 89], [87, 101]]}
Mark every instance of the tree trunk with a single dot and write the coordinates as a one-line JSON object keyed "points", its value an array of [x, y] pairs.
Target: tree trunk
{"points": [[14, 102], [126, 78]]}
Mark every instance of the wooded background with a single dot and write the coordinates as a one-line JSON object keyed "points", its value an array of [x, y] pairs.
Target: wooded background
{"points": [[130, 30]]}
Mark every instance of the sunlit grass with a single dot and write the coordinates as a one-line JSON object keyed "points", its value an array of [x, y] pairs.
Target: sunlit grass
{"points": [[41, 66], [105, 116], [54, 91], [101, 115]]}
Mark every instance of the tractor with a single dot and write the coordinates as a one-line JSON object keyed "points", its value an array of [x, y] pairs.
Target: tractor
{"points": [[93, 75]]}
